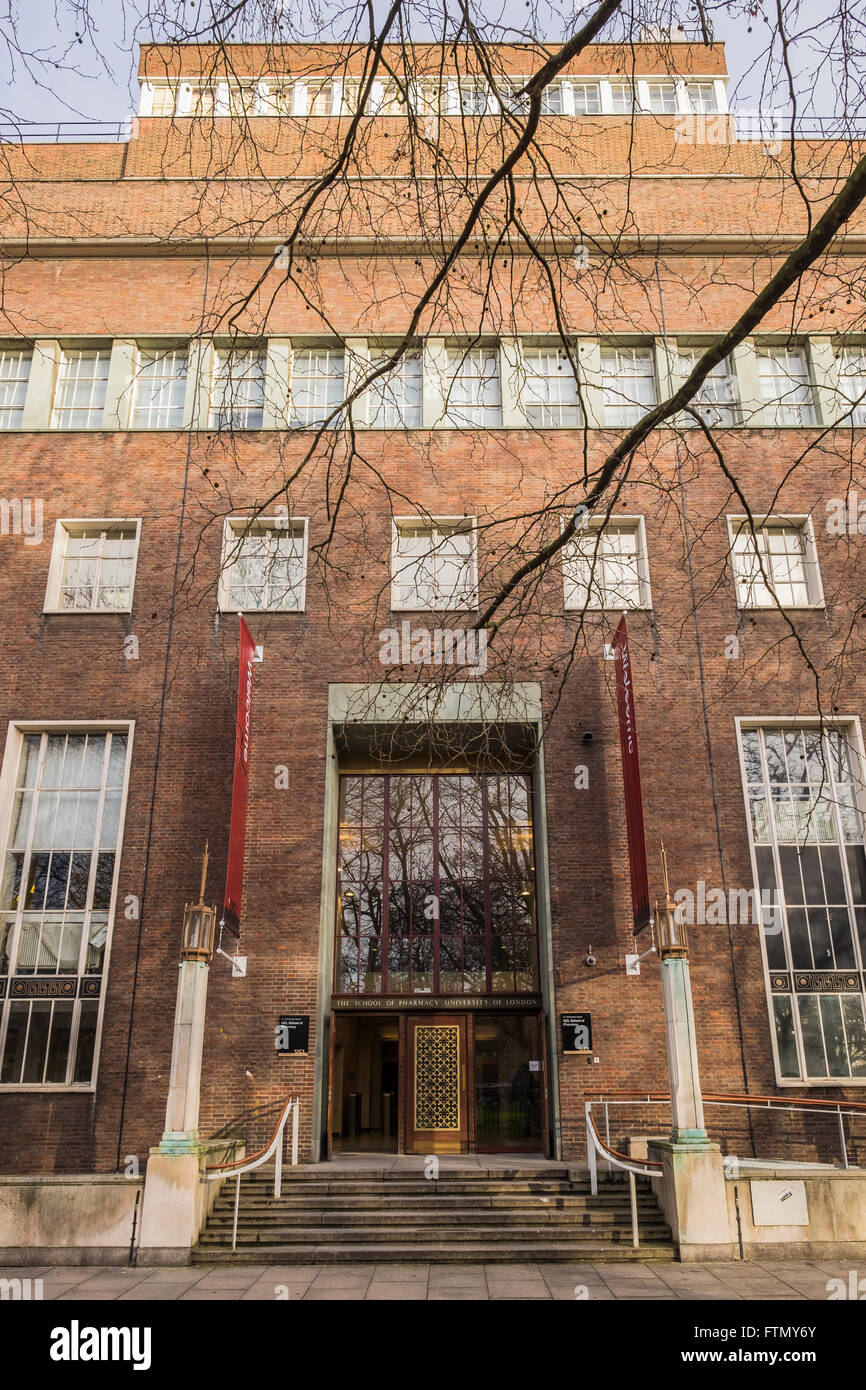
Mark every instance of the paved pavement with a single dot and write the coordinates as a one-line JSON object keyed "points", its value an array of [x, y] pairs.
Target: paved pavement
{"points": [[771, 1281]]}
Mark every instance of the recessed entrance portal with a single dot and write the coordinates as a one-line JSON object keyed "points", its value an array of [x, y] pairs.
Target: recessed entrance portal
{"points": [[364, 1085]]}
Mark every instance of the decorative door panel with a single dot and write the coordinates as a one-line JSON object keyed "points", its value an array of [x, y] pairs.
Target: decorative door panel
{"points": [[437, 1119]]}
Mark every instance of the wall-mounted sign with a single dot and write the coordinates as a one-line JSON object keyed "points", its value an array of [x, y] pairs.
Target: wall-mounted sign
{"points": [[576, 1032], [294, 1033]]}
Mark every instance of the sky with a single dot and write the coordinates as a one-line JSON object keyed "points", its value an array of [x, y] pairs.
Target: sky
{"points": [[87, 71]]}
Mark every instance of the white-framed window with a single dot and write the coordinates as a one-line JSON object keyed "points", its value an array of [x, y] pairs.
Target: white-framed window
{"points": [[786, 388], [472, 386], [587, 98], [605, 565], [621, 98], [661, 98], [92, 567], [550, 395], [717, 400], [264, 565], [551, 100], [15, 363], [394, 400], [163, 100], [433, 563], [79, 394], [628, 383], [803, 790], [159, 388], [317, 385], [320, 97], [701, 96], [473, 94], [277, 98], [509, 98], [851, 366], [63, 802], [777, 565], [238, 388], [200, 98]]}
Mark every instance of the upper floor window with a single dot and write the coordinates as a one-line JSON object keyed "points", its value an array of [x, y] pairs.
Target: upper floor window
{"points": [[395, 398], [433, 564], [320, 98], [552, 100], [716, 398], [628, 382], [159, 389], [264, 565], [79, 396], [14, 375], [621, 98], [238, 395], [701, 96], [317, 386], [785, 385], [776, 565], [851, 364], [162, 101], [473, 386], [92, 567], [587, 98], [276, 98], [550, 396], [605, 566], [473, 96], [661, 98], [511, 97]]}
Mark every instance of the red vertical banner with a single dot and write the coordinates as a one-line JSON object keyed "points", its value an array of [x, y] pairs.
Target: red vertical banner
{"points": [[240, 786], [631, 780]]}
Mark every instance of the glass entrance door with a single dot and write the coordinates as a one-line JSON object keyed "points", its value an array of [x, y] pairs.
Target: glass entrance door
{"points": [[509, 1081]]}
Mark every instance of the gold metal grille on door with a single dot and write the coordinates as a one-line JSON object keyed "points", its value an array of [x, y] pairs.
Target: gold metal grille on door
{"points": [[437, 1076]]}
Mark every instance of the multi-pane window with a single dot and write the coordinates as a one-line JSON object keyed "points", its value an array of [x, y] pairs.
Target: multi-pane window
{"points": [[628, 382], [159, 388], [716, 399], [550, 395], [785, 386], [511, 97], [472, 386], [702, 96], [803, 788], [776, 565], [605, 566], [473, 93], [238, 395], [433, 564], [320, 98], [163, 101], [621, 98], [317, 386], [56, 892], [395, 398], [851, 364], [92, 566], [587, 98], [79, 396], [436, 885], [661, 98], [14, 375], [264, 565], [551, 100]]}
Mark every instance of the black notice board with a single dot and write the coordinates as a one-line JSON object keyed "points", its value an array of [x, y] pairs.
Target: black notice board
{"points": [[576, 1032], [295, 1033]]}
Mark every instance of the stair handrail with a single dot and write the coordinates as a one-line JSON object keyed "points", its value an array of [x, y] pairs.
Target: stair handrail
{"points": [[239, 1166], [646, 1167]]}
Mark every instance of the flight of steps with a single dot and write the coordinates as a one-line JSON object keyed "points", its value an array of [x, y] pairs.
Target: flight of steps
{"points": [[521, 1215]]}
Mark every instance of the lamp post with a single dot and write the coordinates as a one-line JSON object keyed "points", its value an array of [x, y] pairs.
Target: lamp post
{"points": [[687, 1107]]}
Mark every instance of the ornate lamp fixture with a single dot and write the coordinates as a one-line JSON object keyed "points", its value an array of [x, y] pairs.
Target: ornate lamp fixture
{"points": [[671, 921], [199, 923]]}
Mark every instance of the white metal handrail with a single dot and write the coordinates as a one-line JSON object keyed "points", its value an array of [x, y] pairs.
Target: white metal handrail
{"points": [[647, 1168], [245, 1165]]}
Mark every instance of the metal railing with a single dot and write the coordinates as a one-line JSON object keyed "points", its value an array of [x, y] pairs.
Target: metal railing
{"points": [[245, 1165], [648, 1168], [64, 132]]}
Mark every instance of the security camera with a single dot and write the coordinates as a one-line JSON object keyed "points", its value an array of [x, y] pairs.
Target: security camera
{"points": [[588, 737], [590, 959]]}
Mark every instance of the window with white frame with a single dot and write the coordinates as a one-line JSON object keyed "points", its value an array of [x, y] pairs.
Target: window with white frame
{"points": [[511, 97], [803, 788], [587, 98], [701, 96], [605, 565], [79, 395], [92, 567], [15, 366], [661, 98], [851, 365], [551, 100], [550, 395], [716, 399], [320, 98], [786, 388], [238, 390], [621, 98], [317, 386], [264, 565], [472, 386], [163, 101], [277, 98], [159, 388], [394, 400], [628, 383], [433, 564], [198, 99], [473, 94], [776, 564], [56, 899]]}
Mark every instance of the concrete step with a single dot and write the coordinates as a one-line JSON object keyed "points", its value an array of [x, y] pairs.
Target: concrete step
{"points": [[431, 1252], [406, 1232]]}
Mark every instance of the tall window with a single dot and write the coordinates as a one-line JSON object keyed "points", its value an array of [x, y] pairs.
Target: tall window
{"points": [[852, 381], [621, 98], [79, 397], [55, 902], [395, 399], [472, 387], [92, 566], [14, 375], [775, 566], [716, 399], [433, 564], [238, 389], [785, 385], [606, 566], [264, 565], [550, 395], [628, 382], [802, 791], [317, 386], [160, 388], [436, 886], [661, 98], [587, 98]]}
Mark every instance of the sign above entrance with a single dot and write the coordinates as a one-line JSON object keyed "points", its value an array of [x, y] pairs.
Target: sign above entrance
{"points": [[389, 1004], [576, 1032], [631, 781]]}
